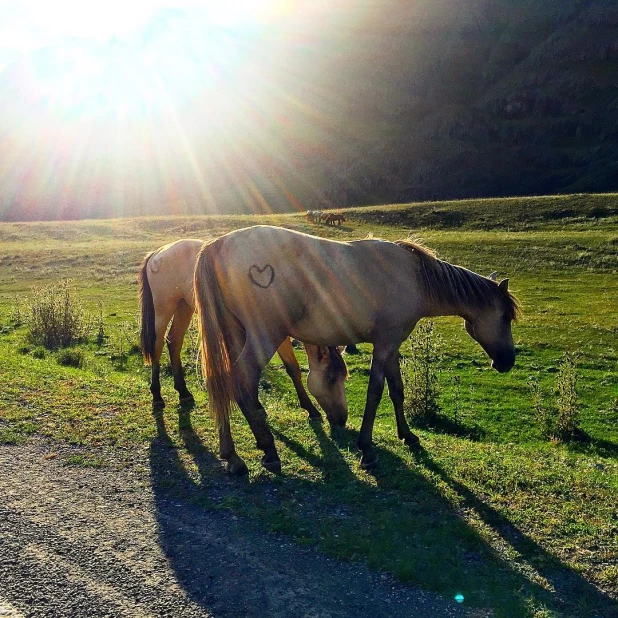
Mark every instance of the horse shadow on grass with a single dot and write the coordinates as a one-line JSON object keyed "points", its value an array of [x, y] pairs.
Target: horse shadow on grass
{"points": [[230, 567], [583, 442], [402, 517], [452, 427], [469, 565]]}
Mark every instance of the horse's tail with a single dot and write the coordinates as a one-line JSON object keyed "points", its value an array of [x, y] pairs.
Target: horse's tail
{"points": [[216, 327], [148, 334]]}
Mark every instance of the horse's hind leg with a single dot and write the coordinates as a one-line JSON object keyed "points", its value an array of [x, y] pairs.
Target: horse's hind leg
{"points": [[227, 450], [395, 390], [155, 379], [250, 366], [286, 353], [175, 338]]}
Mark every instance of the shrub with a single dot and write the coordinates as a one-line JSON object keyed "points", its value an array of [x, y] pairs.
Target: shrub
{"points": [[558, 419], [567, 420], [71, 358], [100, 326], [55, 318], [39, 352], [421, 376]]}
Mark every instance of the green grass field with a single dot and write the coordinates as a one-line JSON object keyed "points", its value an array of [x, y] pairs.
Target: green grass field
{"points": [[488, 508]]}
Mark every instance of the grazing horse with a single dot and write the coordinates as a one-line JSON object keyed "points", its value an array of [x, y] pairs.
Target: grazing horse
{"points": [[314, 216], [256, 286], [166, 293], [332, 219]]}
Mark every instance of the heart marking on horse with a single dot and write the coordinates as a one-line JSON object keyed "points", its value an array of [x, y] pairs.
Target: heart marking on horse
{"points": [[262, 277]]}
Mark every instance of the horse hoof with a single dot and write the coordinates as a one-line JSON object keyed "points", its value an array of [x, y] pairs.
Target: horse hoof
{"points": [[369, 463], [412, 441], [273, 466], [237, 467]]}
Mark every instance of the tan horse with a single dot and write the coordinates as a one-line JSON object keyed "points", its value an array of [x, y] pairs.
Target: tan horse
{"points": [[166, 294], [256, 286]]}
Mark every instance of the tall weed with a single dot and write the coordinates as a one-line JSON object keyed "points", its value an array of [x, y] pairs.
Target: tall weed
{"points": [[567, 420], [559, 418], [420, 374]]}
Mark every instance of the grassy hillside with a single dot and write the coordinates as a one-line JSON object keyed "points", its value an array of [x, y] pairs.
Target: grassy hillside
{"points": [[489, 509]]}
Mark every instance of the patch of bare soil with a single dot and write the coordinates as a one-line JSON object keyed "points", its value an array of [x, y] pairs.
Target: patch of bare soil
{"points": [[101, 542]]}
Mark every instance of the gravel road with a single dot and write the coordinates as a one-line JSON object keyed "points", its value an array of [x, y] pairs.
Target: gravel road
{"points": [[93, 542]]}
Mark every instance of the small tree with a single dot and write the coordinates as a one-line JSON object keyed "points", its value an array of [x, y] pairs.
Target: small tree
{"points": [[421, 376]]}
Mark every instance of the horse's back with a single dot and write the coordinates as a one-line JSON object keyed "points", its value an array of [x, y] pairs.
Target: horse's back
{"points": [[322, 291]]}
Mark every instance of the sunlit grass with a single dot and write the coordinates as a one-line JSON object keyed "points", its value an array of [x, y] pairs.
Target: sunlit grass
{"points": [[489, 508]]}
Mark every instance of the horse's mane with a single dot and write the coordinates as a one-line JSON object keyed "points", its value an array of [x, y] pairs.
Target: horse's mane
{"points": [[337, 367], [455, 285]]}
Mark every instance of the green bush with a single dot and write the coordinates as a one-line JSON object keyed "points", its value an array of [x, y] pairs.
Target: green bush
{"points": [[71, 358], [558, 419], [100, 326], [39, 352], [567, 419], [420, 376], [55, 318]]}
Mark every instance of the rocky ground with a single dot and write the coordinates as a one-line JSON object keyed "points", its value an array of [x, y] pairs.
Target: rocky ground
{"points": [[89, 542]]}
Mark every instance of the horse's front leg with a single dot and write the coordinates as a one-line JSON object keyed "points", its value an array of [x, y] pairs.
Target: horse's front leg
{"points": [[375, 389], [395, 390], [286, 353]]}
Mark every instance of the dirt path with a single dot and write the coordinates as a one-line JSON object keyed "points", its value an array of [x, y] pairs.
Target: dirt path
{"points": [[99, 542]]}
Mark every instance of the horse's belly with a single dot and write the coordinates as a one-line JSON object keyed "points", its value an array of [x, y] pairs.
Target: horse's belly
{"points": [[333, 328]]}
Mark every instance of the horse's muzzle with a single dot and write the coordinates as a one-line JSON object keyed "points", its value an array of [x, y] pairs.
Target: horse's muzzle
{"points": [[504, 363]]}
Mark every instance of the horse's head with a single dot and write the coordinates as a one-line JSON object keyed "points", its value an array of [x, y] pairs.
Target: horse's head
{"points": [[326, 382], [491, 327]]}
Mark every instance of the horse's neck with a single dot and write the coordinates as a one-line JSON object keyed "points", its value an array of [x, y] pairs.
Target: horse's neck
{"points": [[450, 295]]}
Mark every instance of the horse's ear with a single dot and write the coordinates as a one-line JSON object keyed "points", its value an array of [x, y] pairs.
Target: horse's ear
{"points": [[504, 285], [493, 276]]}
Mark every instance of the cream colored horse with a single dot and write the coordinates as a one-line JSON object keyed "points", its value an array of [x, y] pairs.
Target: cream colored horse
{"points": [[166, 294], [256, 286]]}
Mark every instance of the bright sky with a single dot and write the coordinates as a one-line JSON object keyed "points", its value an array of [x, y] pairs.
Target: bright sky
{"points": [[96, 94], [26, 25]]}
